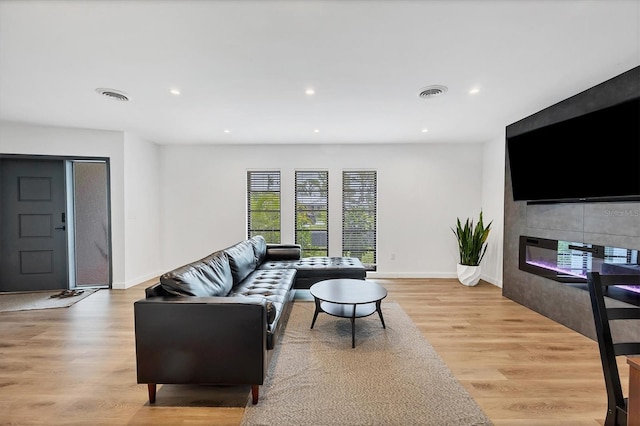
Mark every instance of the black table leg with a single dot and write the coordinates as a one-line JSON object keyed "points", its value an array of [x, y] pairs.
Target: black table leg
{"points": [[318, 309], [353, 328], [378, 303]]}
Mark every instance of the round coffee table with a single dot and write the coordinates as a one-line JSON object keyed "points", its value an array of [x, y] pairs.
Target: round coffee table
{"points": [[348, 298]]}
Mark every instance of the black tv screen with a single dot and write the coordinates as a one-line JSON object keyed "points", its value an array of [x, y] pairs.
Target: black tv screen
{"points": [[592, 157]]}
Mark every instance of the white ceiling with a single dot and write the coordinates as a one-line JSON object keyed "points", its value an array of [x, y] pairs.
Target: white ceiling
{"points": [[245, 65]]}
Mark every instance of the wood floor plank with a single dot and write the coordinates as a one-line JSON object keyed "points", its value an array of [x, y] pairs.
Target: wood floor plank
{"points": [[76, 365]]}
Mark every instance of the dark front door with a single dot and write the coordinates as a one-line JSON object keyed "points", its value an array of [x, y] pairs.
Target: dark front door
{"points": [[33, 245]]}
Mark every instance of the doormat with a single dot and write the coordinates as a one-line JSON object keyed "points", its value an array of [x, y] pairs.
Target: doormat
{"points": [[27, 301]]}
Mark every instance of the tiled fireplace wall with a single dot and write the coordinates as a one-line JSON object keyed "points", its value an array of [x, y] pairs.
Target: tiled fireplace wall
{"points": [[608, 224]]}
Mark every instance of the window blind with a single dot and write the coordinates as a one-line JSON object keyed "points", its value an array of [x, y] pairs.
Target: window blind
{"points": [[359, 214], [263, 205], [312, 212]]}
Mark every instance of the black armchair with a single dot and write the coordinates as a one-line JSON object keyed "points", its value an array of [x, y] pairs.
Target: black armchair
{"points": [[611, 346]]}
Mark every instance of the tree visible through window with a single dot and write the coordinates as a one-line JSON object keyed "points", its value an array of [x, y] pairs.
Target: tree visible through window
{"points": [[312, 214], [263, 205], [359, 211]]}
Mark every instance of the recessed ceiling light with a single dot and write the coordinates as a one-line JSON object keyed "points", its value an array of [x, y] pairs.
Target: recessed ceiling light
{"points": [[316, 130], [310, 91], [174, 91], [425, 130], [227, 131], [474, 91]]}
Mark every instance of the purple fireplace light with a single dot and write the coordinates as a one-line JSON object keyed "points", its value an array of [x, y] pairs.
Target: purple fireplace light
{"points": [[581, 274], [553, 267]]}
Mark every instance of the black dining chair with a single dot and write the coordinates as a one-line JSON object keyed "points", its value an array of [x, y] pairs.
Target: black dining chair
{"points": [[609, 346]]}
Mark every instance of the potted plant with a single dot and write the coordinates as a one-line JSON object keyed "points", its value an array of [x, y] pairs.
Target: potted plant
{"points": [[472, 247]]}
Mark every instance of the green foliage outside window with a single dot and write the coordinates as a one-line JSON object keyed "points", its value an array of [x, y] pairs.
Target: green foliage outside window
{"points": [[359, 233], [312, 212], [265, 215], [263, 192], [359, 196]]}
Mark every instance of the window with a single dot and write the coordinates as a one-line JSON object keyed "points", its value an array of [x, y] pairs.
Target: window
{"points": [[359, 211], [89, 225], [263, 205], [312, 214]]}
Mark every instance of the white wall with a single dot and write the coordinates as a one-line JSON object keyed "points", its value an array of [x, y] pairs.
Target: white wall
{"points": [[142, 215], [493, 208], [421, 191], [173, 204]]}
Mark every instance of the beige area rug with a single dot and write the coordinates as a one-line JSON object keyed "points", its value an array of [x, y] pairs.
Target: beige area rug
{"points": [[392, 377], [26, 301]]}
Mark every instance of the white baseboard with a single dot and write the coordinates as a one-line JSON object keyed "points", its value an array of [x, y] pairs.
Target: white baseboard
{"points": [[491, 280], [411, 274], [134, 281], [392, 275]]}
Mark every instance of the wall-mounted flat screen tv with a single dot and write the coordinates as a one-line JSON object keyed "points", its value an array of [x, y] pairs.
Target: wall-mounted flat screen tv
{"points": [[592, 157]]}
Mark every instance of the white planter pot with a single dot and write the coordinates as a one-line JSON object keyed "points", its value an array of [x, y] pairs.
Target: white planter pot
{"points": [[468, 275]]}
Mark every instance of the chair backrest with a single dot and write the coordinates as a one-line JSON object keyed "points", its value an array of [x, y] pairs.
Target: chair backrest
{"points": [[610, 348]]}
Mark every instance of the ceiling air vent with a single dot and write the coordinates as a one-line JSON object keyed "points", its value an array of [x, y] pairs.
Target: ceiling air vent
{"points": [[113, 94], [432, 91]]}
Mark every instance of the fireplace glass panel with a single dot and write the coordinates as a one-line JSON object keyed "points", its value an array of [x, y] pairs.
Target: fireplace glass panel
{"points": [[569, 262]]}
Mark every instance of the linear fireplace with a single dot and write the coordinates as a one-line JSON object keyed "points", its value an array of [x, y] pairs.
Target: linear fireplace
{"points": [[568, 262]]}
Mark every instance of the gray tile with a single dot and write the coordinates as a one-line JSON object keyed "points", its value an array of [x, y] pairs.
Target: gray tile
{"points": [[566, 217], [613, 218], [556, 234]]}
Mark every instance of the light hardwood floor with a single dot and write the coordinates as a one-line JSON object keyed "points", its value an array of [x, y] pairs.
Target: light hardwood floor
{"points": [[77, 365]]}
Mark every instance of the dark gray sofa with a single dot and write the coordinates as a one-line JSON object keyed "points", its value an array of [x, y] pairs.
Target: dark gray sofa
{"points": [[216, 320]]}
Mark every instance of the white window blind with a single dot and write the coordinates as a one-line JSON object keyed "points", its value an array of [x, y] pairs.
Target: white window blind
{"points": [[359, 212], [263, 205], [312, 212]]}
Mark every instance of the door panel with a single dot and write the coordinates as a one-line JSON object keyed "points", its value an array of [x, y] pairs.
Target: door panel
{"points": [[32, 230]]}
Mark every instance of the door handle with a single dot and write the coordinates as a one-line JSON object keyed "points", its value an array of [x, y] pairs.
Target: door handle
{"points": [[61, 227]]}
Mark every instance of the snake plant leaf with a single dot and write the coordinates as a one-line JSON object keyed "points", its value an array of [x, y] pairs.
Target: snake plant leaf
{"points": [[472, 240]]}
